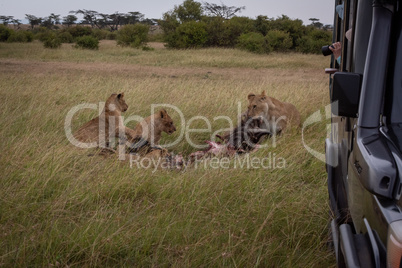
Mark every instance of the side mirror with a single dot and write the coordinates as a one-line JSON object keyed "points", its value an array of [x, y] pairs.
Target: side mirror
{"points": [[345, 93]]}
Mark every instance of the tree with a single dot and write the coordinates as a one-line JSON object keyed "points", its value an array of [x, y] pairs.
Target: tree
{"points": [[189, 11], [69, 20], [90, 16], [262, 24], [33, 20], [6, 19], [222, 10], [133, 17], [316, 23], [186, 12], [16, 23], [114, 20], [55, 19], [47, 23]]}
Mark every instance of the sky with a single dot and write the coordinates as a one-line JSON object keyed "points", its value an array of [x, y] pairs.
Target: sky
{"points": [[153, 9]]}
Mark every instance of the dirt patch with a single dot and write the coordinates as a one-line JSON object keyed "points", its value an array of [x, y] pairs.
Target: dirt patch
{"points": [[43, 68], [157, 45]]}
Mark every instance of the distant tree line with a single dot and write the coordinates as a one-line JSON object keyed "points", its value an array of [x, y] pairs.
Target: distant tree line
{"points": [[189, 25], [193, 24], [90, 17]]}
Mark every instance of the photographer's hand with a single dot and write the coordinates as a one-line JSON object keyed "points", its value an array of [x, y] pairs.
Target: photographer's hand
{"points": [[336, 49]]}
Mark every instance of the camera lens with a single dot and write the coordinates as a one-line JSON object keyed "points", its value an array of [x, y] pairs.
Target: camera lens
{"points": [[326, 51]]}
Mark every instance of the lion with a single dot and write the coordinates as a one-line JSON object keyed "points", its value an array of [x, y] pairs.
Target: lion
{"points": [[107, 125], [151, 128], [275, 115], [147, 135]]}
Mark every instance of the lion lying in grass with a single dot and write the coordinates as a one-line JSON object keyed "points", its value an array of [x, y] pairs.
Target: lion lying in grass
{"points": [[274, 114]]}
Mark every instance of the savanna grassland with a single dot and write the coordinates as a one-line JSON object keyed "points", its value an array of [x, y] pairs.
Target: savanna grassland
{"points": [[65, 206]]}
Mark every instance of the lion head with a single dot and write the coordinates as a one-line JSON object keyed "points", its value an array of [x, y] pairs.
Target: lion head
{"points": [[116, 102], [259, 105], [166, 122]]}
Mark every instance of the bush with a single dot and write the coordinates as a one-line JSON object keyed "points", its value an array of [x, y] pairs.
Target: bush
{"points": [[5, 33], [111, 36], [190, 34], [43, 33], [87, 42], [313, 41], [134, 35], [79, 31], [17, 37], [216, 31], [235, 27], [20, 37], [52, 41], [100, 34], [66, 37], [29, 35], [279, 41], [253, 42]]}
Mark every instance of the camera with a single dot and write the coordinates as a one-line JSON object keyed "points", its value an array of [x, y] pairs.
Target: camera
{"points": [[326, 51]]}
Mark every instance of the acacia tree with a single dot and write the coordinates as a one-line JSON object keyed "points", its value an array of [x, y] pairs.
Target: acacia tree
{"points": [[17, 23], [69, 20], [55, 19], [90, 16], [222, 10], [133, 17], [316, 23], [6, 19], [33, 20]]}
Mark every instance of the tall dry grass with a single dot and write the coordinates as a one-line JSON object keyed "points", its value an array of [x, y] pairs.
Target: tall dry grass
{"points": [[60, 206]]}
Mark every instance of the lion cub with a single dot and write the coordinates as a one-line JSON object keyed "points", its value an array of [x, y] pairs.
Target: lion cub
{"points": [[151, 128], [109, 124], [274, 114]]}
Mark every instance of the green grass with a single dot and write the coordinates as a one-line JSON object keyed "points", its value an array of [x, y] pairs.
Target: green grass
{"points": [[60, 206]]}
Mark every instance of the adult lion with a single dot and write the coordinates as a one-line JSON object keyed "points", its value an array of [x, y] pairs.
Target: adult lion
{"points": [[108, 124], [275, 115]]}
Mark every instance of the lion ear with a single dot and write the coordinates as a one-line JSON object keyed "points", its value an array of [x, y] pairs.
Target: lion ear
{"points": [[120, 95], [250, 96], [162, 113], [264, 93]]}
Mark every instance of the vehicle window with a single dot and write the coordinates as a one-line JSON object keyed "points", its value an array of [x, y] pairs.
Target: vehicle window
{"points": [[362, 29], [393, 97]]}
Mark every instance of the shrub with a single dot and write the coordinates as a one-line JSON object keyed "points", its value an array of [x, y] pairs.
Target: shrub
{"points": [[20, 36], [190, 34], [79, 31], [216, 31], [17, 37], [43, 33], [134, 35], [111, 36], [279, 41], [87, 42], [29, 35], [235, 27], [253, 42], [5, 33], [100, 34], [66, 37], [313, 41], [52, 41]]}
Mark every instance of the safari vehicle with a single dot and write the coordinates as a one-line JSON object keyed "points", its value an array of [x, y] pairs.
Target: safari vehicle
{"points": [[364, 151]]}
